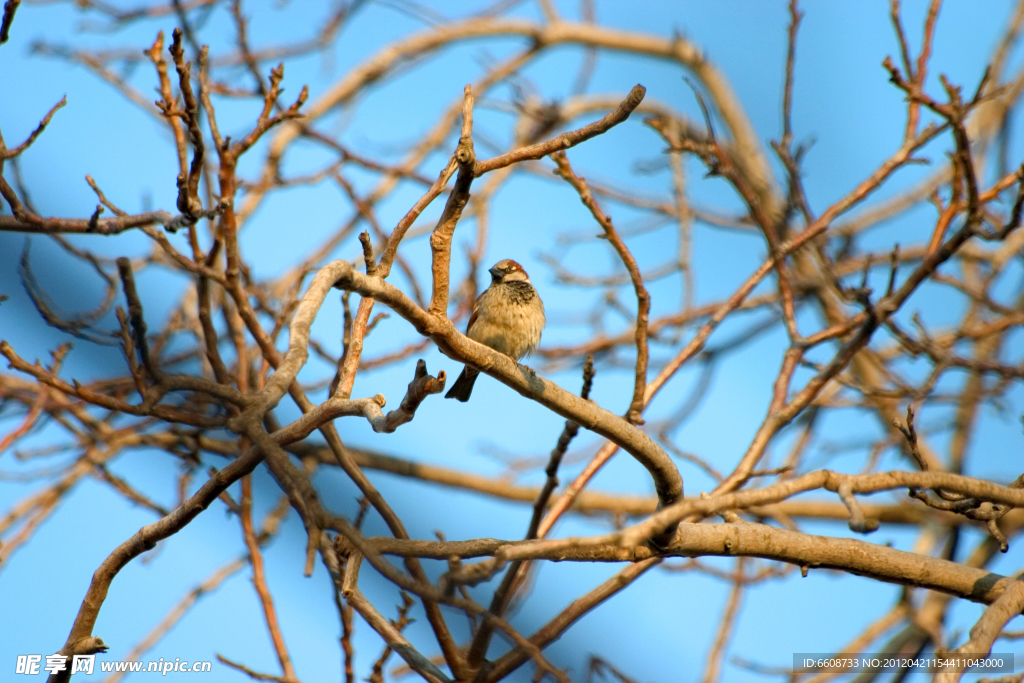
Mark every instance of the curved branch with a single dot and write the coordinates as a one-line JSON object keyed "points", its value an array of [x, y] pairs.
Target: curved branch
{"points": [[749, 152], [458, 347], [742, 540], [145, 539], [635, 536]]}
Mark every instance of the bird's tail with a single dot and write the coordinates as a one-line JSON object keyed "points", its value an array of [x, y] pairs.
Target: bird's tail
{"points": [[463, 386]]}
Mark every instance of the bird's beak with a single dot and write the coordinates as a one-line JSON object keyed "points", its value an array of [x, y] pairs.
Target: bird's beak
{"points": [[495, 273]]}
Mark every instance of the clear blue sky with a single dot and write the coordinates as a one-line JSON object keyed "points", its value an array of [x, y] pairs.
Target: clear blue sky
{"points": [[842, 100]]}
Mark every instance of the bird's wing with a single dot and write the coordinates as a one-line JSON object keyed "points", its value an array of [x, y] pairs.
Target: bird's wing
{"points": [[472, 317]]}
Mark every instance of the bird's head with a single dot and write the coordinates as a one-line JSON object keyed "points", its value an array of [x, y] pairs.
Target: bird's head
{"points": [[507, 270]]}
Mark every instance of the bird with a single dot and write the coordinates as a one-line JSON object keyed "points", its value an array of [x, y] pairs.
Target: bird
{"points": [[508, 317]]}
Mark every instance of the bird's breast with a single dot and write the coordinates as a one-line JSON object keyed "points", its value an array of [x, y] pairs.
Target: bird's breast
{"points": [[507, 323]]}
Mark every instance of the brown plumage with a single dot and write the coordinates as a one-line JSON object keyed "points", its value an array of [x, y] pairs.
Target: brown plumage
{"points": [[508, 317]]}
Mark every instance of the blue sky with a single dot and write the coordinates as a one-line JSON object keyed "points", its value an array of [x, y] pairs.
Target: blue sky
{"points": [[842, 100]]}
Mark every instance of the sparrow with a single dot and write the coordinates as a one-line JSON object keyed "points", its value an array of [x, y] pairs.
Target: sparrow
{"points": [[508, 317]]}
